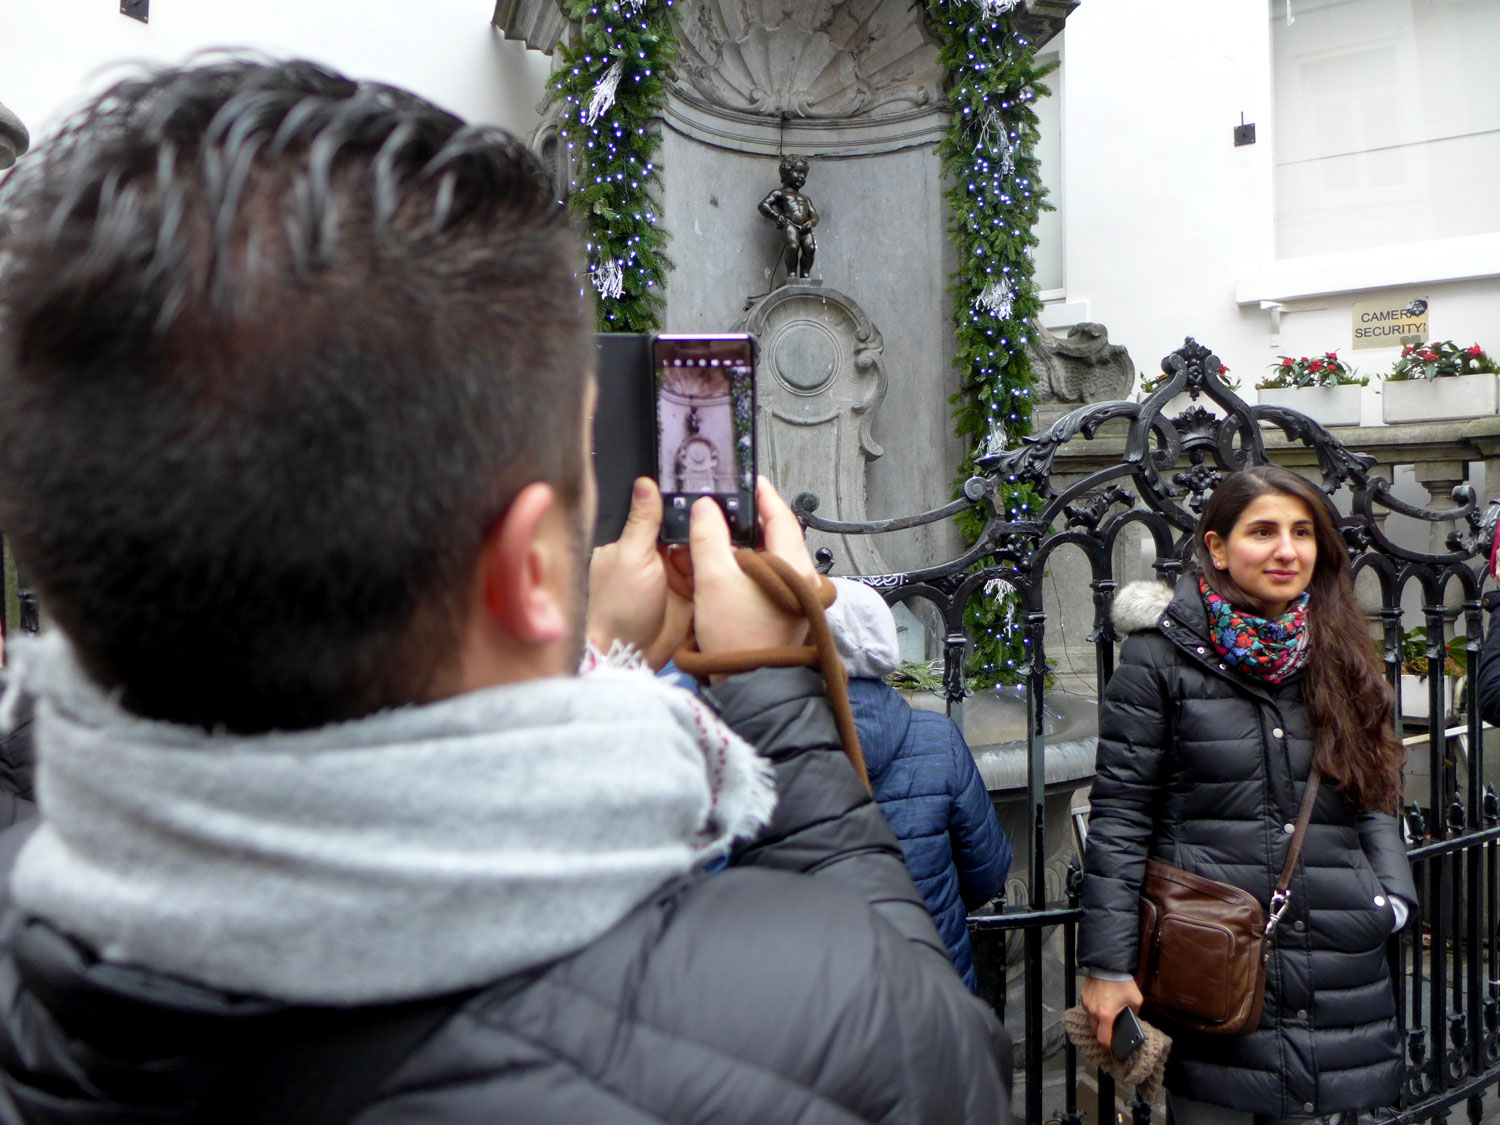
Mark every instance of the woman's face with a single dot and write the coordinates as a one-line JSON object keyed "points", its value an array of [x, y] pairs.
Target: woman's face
{"points": [[1270, 552]]}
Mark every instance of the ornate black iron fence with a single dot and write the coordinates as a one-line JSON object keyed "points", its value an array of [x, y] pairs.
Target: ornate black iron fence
{"points": [[1445, 966]]}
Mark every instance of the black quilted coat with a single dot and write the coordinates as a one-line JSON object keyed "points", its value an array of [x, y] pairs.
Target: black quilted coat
{"points": [[1204, 768], [805, 984]]}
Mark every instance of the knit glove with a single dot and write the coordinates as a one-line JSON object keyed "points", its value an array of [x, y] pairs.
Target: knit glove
{"points": [[1141, 1069]]}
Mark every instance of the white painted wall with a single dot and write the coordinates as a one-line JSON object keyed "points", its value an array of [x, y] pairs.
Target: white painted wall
{"points": [[1168, 227], [53, 51], [1165, 227]]}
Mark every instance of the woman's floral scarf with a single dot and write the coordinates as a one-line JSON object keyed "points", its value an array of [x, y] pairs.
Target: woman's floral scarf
{"points": [[1269, 649]]}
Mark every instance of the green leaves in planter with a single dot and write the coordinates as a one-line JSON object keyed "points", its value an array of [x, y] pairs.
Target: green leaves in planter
{"points": [[1414, 654], [1439, 360], [1326, 370]]}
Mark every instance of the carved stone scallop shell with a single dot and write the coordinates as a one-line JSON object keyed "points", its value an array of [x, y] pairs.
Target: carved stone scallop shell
{"points": [[807, 58]]}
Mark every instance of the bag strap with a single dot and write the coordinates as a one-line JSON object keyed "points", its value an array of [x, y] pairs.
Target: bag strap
{"points": [[1282, 895], [795, 597]]}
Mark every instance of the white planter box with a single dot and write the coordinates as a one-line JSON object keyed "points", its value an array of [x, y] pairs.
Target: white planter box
{"points": [[1414, 695], [1435, 400], [1329, 406]]}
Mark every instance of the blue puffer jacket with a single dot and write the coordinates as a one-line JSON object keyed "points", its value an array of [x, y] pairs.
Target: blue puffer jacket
{"points": [[925, 780]]}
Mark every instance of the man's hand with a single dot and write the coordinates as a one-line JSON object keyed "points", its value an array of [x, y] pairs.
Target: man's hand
{"points": [[629, 596], [1103, 1000], [730, 613]]}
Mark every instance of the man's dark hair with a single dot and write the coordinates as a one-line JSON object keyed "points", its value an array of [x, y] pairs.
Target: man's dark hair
{"points": [[277, 349]]}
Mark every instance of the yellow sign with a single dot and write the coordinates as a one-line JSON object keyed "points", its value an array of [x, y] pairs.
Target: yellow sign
{"points": [[1390, 322]]}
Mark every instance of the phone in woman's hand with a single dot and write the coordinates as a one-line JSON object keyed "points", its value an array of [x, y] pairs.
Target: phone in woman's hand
{"points": [[1127, 1036]]}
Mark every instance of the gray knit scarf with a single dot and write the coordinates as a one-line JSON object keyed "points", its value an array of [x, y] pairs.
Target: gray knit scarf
{"points": [[420, 850]]}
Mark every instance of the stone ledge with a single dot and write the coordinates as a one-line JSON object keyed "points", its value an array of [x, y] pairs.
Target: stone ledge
{"points": [[1042, 20], [1471, 439]]}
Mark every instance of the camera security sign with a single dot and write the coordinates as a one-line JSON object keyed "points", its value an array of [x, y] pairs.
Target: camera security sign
{"points": [[1390, 322]]}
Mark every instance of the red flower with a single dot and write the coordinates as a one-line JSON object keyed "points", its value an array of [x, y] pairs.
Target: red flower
{"points": [[1429, 355], [1315, 366], [1223, 370], [1406, 351], [1476, 350], [1304, 359], [1330, 355]]}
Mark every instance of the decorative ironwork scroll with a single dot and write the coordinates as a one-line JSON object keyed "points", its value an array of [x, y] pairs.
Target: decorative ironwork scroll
{"points": [[1446, 966]]}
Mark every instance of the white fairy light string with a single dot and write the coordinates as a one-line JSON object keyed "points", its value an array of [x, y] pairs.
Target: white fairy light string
{"points": [[613, 83]]}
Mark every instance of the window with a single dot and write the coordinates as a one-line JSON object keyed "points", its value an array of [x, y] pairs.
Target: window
{"points": [[1387, 122]]}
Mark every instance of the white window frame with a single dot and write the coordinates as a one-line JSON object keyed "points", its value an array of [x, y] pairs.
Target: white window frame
{"points": [[1273, 279]]}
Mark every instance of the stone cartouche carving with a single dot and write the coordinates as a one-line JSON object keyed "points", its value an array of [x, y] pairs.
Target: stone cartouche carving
{"points": [[818, 386], [1080, 367], [818, 59], [794, 215]]}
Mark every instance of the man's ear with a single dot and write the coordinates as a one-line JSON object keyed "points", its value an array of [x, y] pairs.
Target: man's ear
{"points": [[519, 562]]}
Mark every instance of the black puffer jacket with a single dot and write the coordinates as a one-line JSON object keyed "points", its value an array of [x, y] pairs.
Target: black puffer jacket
{"points": [[1204, 768], [1487, 685], [804, 984]]}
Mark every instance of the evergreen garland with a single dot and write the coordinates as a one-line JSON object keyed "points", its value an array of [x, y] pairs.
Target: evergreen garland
{"points": [[614, 80], [994, 199]]}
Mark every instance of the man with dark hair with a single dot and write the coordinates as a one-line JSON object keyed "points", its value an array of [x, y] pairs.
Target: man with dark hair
{"points": [[294, 428]]}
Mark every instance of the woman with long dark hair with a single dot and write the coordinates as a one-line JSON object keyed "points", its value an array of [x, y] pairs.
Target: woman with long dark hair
{"points": [[1228, 690]]}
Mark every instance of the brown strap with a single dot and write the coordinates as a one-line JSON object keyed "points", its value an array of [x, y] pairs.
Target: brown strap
{"points": [[792, 595], [1282, 894], [1304, 816]]}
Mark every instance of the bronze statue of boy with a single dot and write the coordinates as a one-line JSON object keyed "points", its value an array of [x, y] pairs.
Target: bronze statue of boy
{"points": [[794, 215]]}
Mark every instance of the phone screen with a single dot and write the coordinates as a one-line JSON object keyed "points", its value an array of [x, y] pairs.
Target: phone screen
{"points": [[705, 430]]}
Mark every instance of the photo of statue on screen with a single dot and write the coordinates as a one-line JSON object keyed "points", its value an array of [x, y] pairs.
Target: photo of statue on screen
{"points": [[696, 423]]}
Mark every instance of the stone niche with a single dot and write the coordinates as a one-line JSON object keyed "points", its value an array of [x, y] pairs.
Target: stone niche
{"points": [[857, 89]]}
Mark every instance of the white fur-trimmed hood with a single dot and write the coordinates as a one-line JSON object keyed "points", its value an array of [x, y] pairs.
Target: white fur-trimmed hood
{"points": [[1139, 606]]}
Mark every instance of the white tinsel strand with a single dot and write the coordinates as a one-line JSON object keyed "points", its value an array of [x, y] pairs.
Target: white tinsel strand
{"points": [[990, 127], [609, 279], [997, 298], [994, 9], [1000, 588], [1007, 155], [604, 93], [995, 444], [632, 7], [993, 135]]}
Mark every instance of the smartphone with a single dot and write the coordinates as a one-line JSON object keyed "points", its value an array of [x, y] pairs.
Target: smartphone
{"points": [[1127, 1036], [623, 427], [705, 431]]}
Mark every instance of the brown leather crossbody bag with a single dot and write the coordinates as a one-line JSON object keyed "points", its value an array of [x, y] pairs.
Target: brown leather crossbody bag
{"points": [[1205, 945]]}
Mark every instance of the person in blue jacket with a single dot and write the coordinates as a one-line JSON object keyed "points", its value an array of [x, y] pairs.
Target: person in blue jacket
{"points": [[922, 775], [1487, 683]]}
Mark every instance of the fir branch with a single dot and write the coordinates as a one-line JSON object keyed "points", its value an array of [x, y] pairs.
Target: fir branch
{"points": [[610, 121], [995, 196]]}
